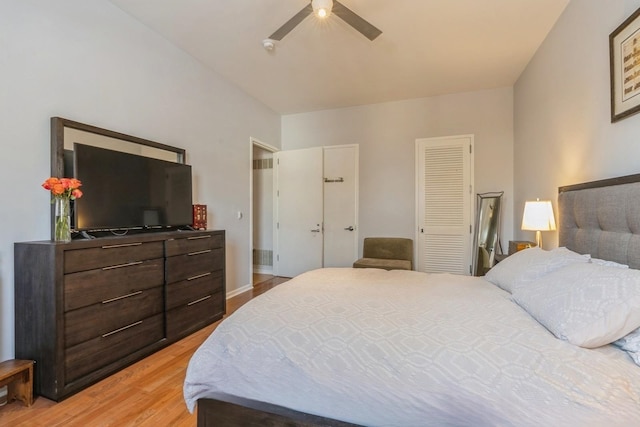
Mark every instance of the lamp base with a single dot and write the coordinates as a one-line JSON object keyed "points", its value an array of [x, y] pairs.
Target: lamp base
{"points": [[539, 239]]}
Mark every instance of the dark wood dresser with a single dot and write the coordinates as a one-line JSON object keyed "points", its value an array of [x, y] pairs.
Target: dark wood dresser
{"points": [[86, 309], [194, 283]]}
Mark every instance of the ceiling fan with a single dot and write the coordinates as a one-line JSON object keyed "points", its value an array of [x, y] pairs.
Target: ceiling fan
{"points": [[322, 9]]}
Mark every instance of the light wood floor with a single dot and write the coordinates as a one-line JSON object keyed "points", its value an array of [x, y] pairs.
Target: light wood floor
{"points": [[147, 393]]}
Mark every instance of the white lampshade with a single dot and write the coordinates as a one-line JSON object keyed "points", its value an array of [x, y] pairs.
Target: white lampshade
{"points": [[322, 8], [538, 216]]}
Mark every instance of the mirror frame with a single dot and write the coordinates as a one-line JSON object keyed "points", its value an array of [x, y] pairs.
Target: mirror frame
{"points": [[492, 251], [58, 125]]}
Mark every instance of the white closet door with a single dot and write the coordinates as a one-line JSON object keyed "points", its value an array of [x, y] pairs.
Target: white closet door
{"points": [[444, 204], [299, 185], [340, 205]]}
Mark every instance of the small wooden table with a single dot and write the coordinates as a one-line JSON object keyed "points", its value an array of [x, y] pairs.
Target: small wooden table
{"points": [[18, 376]]}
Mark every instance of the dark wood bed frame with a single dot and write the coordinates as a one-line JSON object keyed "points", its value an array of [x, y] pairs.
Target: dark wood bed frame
{"points": [[223, 410], [231, 411]]}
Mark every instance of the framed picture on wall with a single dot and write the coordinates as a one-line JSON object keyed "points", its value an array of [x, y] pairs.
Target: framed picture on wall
{"points": [[624, 58]]}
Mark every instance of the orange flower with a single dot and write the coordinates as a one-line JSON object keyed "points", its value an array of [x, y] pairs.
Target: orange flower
{"points": [[63, 187], [49, 183], [58, 189]]}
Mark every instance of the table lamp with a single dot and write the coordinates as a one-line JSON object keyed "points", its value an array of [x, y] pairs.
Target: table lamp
{"points": [[538, 216]]}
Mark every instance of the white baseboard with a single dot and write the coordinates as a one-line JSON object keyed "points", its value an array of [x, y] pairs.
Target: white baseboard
{"points": [[238, 291], [257, 269]]}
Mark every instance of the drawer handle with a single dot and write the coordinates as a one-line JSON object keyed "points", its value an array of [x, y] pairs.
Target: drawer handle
{"points": [[129, 264], [122, 329], [199, 276], [123, 245], [198, 237], [199, 300], [199, 252], [107, 301]]}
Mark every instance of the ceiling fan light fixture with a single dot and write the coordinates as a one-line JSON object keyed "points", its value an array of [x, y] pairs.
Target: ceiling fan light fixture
{"points": [[322, 8]]}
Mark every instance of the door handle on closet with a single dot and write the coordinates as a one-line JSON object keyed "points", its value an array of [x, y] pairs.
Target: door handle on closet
{"points": [[317, 230], [349, 228]]}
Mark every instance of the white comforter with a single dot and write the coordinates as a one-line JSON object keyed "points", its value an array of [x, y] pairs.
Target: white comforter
{"points": [[402, 348]]}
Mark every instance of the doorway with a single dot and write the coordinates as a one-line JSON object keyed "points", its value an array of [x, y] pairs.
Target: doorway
{"points": [[261, 211]]}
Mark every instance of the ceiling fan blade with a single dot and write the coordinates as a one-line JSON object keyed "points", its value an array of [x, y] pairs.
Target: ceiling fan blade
{"points": [[291, 23], [351, 18]]}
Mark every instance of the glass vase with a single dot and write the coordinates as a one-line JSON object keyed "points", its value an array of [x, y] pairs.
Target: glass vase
{"points": [[62, 207]]}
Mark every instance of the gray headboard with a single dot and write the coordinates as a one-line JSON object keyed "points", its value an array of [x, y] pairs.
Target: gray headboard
{"points": [[602, 218]]}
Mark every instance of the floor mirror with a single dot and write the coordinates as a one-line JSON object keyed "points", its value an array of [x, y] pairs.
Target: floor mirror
{"points": [[486, 239]]}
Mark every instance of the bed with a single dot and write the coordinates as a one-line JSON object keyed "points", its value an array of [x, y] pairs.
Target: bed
{"points": [[546, 338]]}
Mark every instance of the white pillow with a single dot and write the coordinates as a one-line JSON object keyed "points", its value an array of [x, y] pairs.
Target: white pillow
{"points": [[588, 305], [608, 263], [529, 264], [631, 344]]}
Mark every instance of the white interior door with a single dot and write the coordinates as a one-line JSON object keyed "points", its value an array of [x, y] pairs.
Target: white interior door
{"points": [[340, 205], [299, 200], [444, 188]]}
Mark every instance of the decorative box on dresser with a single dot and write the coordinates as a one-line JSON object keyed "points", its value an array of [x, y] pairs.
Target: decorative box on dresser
{"points": [[88, 308]]}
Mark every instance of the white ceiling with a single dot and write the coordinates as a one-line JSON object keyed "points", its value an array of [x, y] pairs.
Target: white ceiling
{"points": [[427, 47]]}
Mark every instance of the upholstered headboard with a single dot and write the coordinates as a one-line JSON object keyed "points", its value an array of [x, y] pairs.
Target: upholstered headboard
{"points": [[602, 218]]}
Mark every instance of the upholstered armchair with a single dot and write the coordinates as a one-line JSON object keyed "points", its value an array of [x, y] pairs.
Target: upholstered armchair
{"points": [[389, 253]]}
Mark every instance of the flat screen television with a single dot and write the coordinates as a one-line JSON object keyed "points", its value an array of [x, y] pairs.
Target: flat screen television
{"points": [[126, 191]]}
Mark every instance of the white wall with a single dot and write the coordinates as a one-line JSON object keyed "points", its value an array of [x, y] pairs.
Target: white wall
{"points": [[386, 134], [563, 130], [86, 60]]}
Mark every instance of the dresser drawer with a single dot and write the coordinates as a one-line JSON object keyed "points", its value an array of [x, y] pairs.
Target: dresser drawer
{"points": [[95, 286], [96, 353], [194, 315], [108, 255], [98, 319], [184, 267], [186, 291], [194, 244]]}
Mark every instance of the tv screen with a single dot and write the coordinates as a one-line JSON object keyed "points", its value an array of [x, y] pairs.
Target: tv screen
{"points": [[122, 190]]}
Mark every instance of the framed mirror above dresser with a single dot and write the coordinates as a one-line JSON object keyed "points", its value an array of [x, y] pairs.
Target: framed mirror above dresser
{"points": [[156, 177], [65, 132]]}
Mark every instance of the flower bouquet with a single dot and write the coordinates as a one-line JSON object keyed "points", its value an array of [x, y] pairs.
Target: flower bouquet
{"points": [[63, 191]]}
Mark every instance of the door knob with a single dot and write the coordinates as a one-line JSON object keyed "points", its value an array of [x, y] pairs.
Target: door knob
{"points": [[350, 228], [317, 230]]}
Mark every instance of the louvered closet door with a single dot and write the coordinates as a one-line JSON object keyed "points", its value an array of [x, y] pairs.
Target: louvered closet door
{"points": [[444, 197]]}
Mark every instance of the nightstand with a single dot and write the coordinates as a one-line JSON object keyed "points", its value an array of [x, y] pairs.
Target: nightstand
{"points": [[514, 246], [499, 257], [518, 245]]}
